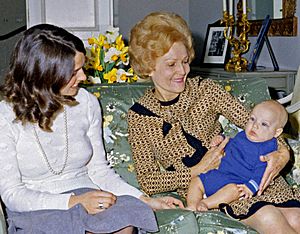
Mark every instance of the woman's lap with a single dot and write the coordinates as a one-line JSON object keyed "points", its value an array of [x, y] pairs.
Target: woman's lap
{"points": [[128, 211], [279, 194], [271, 219]]}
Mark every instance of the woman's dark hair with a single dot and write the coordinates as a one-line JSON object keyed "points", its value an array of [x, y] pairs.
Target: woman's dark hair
{"points": [[41, 64]]}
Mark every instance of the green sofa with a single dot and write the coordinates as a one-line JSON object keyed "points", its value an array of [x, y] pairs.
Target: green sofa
{"points": [[116, 99]]}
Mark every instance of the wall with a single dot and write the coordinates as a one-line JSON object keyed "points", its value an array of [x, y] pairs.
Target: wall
{"points": [[12, 17], [200, 13], [286, 49], [200, 17], [128, 12]]}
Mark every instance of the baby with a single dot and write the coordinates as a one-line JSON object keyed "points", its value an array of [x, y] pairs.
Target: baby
{"points": [[241, 170]]}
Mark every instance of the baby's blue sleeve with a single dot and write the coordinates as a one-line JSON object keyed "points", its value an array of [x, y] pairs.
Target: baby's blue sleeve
{"points": [[253, 183]]}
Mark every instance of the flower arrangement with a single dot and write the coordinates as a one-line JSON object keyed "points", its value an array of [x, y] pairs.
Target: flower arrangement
{"points": [[108, 60]]}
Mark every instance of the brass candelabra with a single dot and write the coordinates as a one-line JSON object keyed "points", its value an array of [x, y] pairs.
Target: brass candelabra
{"points": [[240, 43]]}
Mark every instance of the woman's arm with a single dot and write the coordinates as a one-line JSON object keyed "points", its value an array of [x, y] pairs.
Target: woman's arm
{"points": [[14, 193], [165, 202], [228, 105]]}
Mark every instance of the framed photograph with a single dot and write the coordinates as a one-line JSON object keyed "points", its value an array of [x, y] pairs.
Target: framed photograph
{"points": [[216, 50]]}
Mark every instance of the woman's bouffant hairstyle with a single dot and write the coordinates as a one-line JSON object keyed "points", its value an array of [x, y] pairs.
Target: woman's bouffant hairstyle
{"points": [[153, 37], [41, 64]]}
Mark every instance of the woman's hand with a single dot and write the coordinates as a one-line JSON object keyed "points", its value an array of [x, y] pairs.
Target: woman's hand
{"points": [[211, 159], [276, 161], [94, 202], [216, 140], [159, 203]]}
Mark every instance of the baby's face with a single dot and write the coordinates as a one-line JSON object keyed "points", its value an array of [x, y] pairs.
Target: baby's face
{"points": [[262, 125]]}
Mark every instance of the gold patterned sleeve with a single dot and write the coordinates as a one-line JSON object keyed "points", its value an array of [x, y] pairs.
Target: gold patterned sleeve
{"points": [[150, 173], [282, 142], [228, 105]]}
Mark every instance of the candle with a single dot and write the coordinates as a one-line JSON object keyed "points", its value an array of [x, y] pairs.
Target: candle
{"points": [[244, 7], [230, 7], [224, 5]]}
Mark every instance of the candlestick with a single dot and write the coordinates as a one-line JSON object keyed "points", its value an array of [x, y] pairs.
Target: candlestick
{"points": [[239, 42], [224, 5], [231, 7], [244, 7]]}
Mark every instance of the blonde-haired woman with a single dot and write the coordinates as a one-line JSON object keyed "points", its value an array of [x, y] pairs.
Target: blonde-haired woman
{"points": [[171, 126]]}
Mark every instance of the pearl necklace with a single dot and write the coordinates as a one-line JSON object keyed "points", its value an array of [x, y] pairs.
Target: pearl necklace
{"points": [[66, 148]]}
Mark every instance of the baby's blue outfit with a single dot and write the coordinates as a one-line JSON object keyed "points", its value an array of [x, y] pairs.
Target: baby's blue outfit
{"points": [[241, 164]]}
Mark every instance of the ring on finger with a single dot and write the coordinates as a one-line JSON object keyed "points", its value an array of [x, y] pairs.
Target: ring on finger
{"points": [[101, 205]]}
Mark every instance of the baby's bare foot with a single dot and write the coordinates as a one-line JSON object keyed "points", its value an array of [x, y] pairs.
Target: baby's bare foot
{"points": [[202, 206], [191, 207]]}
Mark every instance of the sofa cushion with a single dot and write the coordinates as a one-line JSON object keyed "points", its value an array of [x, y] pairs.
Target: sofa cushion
{"points": [[115, 100]]}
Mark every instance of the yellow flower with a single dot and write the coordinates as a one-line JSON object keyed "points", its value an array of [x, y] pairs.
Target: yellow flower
{"points": [[93, 52], [91, 40], [114, 57], [111, 55], [123, 77], [119, 43], [107, 59], [96, 64], [99, 68], [101, 39], [135, 77], [123, 57], [106, 46], [130, 70], [111, 76]]}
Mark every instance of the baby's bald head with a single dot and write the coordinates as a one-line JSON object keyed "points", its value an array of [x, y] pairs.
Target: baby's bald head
{"points": [[276, 109]]}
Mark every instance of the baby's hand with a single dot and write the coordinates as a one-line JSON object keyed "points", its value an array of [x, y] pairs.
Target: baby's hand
{"points": [[245, 192], [217, 140]]}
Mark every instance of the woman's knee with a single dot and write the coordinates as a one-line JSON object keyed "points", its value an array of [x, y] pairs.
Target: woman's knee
{"points": [[267, 220], [292, 215], [267, 215]]}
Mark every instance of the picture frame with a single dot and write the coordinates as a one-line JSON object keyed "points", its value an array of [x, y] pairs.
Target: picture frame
{"points": [[216, 50], [256, 50]]}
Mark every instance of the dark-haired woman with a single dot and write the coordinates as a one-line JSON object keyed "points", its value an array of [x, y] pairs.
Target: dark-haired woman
{"points": [[54, 177]]}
